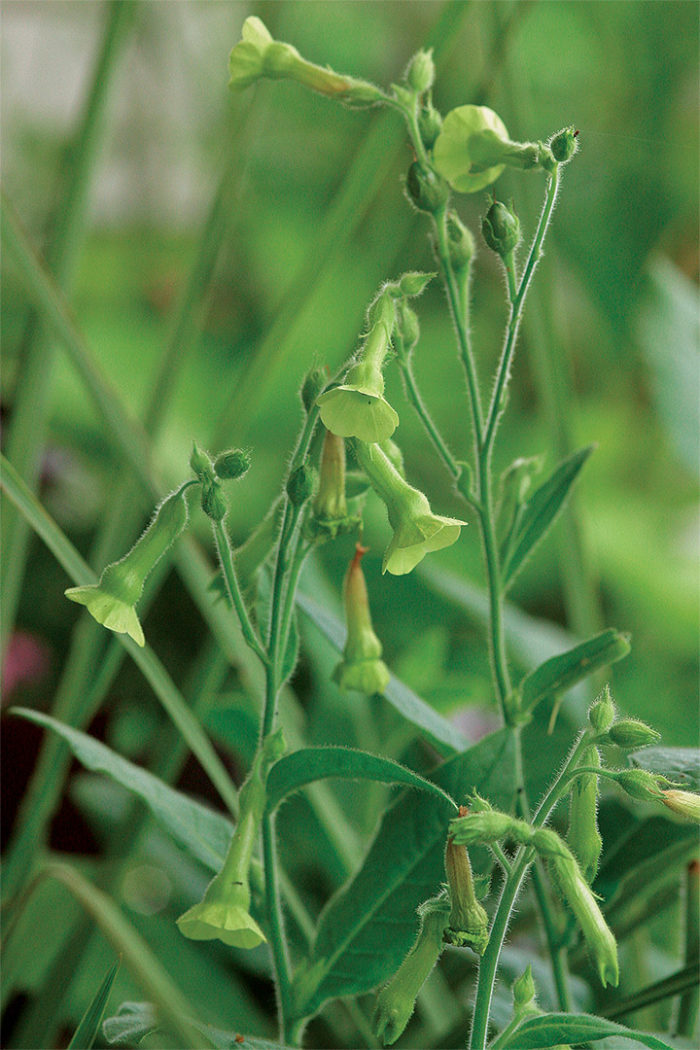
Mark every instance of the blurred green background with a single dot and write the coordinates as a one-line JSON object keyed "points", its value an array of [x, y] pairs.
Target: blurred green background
{"points": [[315, 219]]}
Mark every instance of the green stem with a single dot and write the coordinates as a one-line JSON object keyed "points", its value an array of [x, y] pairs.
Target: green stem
{"points": [[228, 568], [489, 961], [434, 434], [690, 1000]]}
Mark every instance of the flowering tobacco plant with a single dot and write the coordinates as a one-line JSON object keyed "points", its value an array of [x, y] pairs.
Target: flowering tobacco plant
{"points": [[450, 857]]}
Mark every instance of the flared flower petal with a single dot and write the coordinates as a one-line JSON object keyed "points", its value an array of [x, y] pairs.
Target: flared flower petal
{"points": [[353, 411], [459, 150], [108, 610], [416, 538], [223, 916], [363, 676]]}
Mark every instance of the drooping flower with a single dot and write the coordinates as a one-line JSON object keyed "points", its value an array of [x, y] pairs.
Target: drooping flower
{"points": [[473, 148], [361, 668], [112, 601], [417, 531]]}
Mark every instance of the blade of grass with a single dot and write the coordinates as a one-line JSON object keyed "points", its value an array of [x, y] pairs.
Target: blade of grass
{"points": [[28, 422], [86, 1033]]}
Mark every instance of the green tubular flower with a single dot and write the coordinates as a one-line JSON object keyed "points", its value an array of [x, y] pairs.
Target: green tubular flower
{"points": [[417, 531], [358, 408], [258, 55], [330, 516], [396, 1001], [473, 148], [361, 668], [583, 835], [223, 913], [112, 601], [469, 923], [568, 880]]}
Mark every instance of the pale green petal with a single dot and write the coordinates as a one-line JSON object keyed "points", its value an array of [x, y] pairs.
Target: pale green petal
{"points": [[351, 412], [451, 154], [217, 920], [362, 676], [434, 532], [109, 611]]}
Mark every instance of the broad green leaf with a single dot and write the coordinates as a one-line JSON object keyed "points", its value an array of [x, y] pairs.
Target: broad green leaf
{"points": [[134, 1021], [87, 1031], [559, 673], [679, 764], [541, 510], [537, 1033], [318, 763], [368, 926], [443, 734], [203, 832]]}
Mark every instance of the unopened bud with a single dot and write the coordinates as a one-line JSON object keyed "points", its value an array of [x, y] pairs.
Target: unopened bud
{"points": [[460, 242], [301, 484], [564, 144], [501, 228], [414, 283], [429, 125], [631, 734], [407, 328], [232, 465], [427, 191], [524, 990], [201, 464], [490, 826], [584, 836], [421, 71], [213, 501], [567, 878], [312, 386], [639, 784], [601, 714]]}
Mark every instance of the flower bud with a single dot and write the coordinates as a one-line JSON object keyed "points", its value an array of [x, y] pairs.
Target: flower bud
{"points": [[501, 229], [396, 1001], [426, 190], [414, 283], [421, 71], [213, 501], [601, 714], [631, 734], [112, 601], [301, 484], [312, 386], [685, 803], [564, 144], [361, 668], [429, 125], [232, 465], [639, 784], [549, 844], [469, 924], [524, 991], [584, 836], [407, 329], [568, 880], [201, 464], [460, 241]]}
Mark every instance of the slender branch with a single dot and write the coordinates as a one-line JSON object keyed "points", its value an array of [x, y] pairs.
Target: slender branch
{"points": [[434, 434], [228, 568]]}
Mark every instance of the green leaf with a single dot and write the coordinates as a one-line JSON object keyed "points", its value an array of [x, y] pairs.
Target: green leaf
{"points": [[443, 734], [318, 763], [541, 510], [555, 1029], [204, 833], [679, 764], [87, 1031], [134, 1021], [559, 673], [368, 926]]}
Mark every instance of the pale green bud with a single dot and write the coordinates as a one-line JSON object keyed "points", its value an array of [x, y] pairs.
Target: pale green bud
{"points": [[314, 382], [639, 784], [584, 836], [501, 229], [569, 881], [489, 826], [421, 71], [460, 241], [601, 714], [407, 328], [631, 734], [213, 501], [201, 464], [301, 484], [429, 125], [564, 144], [524, 990]]}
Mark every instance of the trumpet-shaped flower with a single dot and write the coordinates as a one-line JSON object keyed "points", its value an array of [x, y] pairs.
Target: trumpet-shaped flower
{"points": [[469, 923], [685, 803], [473, 148], [361, 668], [417, 531], [223, 914], [257, 55], [112, 601]]}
